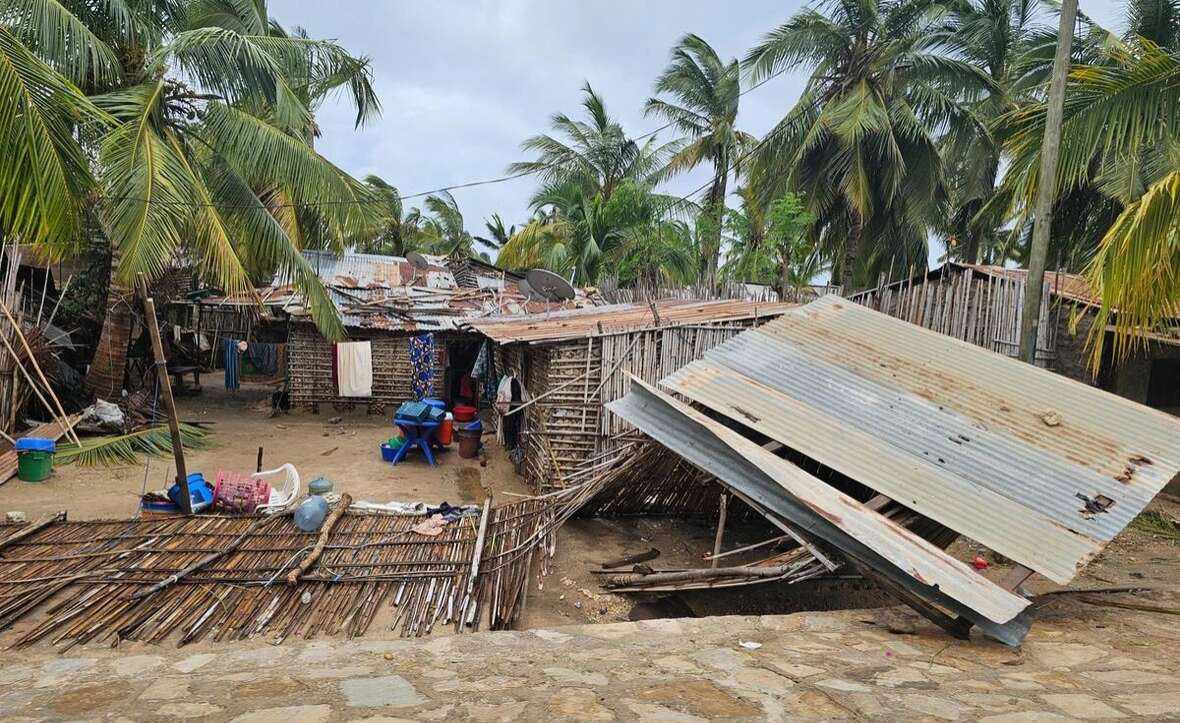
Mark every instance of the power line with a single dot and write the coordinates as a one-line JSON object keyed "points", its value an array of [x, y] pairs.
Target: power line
{"points": [[420, 194]]}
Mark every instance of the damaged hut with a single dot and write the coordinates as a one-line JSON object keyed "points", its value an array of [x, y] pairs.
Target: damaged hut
{"points": [[403, 320], [875, 443], [564, 366], [983, 305]]}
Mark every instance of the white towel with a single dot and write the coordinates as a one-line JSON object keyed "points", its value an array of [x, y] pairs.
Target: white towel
{"points": [[354, 369]]}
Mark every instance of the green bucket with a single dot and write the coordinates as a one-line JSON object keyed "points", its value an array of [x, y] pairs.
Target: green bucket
{"points": [[34, 466], [34, 458]]}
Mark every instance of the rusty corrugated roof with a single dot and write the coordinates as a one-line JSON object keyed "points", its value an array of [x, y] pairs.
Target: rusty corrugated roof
{"points": [[997, 450], [616, 318]]}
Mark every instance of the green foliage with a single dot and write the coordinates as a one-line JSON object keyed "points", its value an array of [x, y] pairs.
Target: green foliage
{"points": [[1156, 523], [770, 245], [125, 448], [861, 144], [195, 139]]}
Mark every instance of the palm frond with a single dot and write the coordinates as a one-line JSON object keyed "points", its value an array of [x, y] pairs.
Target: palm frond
{"points": [[44, 172], [126, 449], [56, 35]]}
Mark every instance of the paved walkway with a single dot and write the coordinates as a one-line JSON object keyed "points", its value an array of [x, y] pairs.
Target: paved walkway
{"points": [[1081, 662]]}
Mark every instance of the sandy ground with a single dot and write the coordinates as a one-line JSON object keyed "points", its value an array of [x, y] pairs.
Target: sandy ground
{"points": [[346, 451]]}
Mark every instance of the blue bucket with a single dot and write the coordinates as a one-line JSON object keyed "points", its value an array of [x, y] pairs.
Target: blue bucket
{"points": [[387, 452]]}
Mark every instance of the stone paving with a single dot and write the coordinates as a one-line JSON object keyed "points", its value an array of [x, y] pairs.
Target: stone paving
{"points": [[1081, 662]]}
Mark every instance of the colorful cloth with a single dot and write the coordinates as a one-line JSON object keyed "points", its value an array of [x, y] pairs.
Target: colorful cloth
{"points": [[422, 366]]}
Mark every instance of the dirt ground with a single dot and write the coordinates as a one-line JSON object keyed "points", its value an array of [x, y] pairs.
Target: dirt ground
{"points": [[346, 451]]}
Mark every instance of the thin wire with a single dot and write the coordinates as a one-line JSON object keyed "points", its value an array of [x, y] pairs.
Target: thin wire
{"points": [[410, 196]]}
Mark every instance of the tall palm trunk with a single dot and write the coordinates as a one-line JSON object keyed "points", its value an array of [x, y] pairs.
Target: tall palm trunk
{"points": [[717, 213], [104, 379], [974, 229], [852, 247]]}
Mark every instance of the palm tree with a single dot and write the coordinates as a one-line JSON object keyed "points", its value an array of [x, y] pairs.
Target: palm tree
{"points": [[996, 36], [442, 230], [400, 231], [1119, 138], [596, 154], [498, 233], [860, 144], [584, 236], [214, 164], [704, 94]]}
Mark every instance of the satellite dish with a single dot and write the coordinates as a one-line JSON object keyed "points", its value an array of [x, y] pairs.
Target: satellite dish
{"points": [[417, 260], [527, 291], [550, 285]]}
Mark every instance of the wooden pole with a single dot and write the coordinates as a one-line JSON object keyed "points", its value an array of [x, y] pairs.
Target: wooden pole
{"points": [[149, 310], [1046, 186], [321, 541], [65, 418], [720, 529], [477, 553]]}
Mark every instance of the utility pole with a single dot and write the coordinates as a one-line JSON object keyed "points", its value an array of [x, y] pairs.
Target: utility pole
{"points": [[1046, 187]]}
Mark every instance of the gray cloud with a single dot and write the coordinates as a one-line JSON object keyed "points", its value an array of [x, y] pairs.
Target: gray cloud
{"points": [[463, 82]]}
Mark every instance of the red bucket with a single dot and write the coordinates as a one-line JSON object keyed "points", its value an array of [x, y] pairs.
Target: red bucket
{"points": [[464, 413]]}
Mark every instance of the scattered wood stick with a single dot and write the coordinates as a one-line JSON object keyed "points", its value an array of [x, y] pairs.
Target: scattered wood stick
{"points": [[325, 531], [32, 529], [65, 418], [1130, 606], [211, 557], [638, 557]]}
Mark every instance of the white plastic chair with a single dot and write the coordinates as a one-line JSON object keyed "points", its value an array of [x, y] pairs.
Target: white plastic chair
{"points": [[284, 490]]}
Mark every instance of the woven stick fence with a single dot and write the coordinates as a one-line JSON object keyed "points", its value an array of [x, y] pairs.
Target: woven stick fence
{"points": [[79, 579]]}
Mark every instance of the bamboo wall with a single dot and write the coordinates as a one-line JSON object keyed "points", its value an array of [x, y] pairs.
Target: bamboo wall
{"points": [[309, 366], [984, 310], [570, 425]]}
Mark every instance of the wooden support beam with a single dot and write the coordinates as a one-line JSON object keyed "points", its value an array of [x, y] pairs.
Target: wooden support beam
{"points": [[722, 514], [1016, 577], [161, 363]]}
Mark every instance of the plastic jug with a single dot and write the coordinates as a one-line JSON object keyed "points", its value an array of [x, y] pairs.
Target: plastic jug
{"points": [[310, 513]]}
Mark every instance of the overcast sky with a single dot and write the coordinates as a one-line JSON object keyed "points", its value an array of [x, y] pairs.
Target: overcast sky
{"points": [[463, 82]]}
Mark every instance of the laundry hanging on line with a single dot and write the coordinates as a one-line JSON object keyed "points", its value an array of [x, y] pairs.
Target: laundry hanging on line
{"points": [[264, 356], [231, 364], [422, 352], [354, 369]]}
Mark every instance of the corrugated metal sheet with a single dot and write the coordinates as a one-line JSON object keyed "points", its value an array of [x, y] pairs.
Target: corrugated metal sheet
{"points": [[953, 431], [389, 293], [616, 318], [820, 511]]}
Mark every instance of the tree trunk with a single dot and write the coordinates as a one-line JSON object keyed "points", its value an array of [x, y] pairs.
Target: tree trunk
{"points": [[784, 278], [1046, 187], [104, 379], [717, 211], [852, 246]]}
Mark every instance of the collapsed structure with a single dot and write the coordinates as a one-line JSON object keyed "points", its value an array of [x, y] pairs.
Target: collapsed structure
{"points": [[1041, 469], [569, 364]]}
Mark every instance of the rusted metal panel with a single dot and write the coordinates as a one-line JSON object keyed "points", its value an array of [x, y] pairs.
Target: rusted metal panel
{"points": [[616, 318], [1035, 466], [825, 513]]}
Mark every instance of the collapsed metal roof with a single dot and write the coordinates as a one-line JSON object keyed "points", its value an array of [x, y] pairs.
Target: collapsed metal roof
{"points": [[390, 293], [1037, 467], [561, 325]]}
